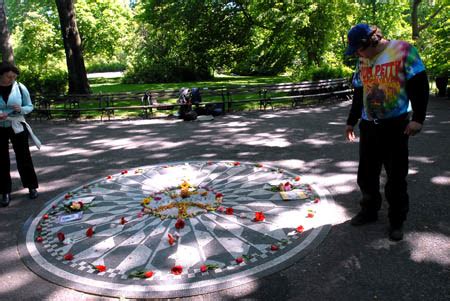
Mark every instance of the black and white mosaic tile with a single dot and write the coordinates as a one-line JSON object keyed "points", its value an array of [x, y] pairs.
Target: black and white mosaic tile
{"points": [[216, 248]]}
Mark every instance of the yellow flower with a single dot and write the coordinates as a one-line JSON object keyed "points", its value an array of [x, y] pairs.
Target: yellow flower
{"points": [[185, 185], [146, 201]]}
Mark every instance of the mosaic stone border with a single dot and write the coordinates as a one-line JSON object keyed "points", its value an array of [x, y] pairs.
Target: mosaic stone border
{"points": [[81, 276]]}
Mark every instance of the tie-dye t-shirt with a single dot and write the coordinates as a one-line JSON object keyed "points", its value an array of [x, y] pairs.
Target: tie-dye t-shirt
{"points": [[383, 79]]}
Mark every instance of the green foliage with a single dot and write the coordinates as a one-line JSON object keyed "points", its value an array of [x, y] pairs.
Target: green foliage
{"points": [[315, 73], [103, 65], [44, 81], [39, 55], [105, 27]]}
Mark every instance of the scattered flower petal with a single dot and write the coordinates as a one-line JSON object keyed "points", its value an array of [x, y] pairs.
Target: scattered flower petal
{"points": [[171, 239], [203, 268], [229, 211], [61, 236], [239, 260], [274, 247], [90, 231], [300, 229], [180, 224], [68, 256], [39, 239], [100, 268], [177, 270], [259, 216], [123, 221], [148, 274]]}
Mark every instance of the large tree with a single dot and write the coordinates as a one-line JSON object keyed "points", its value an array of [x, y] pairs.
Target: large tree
{"points": [[78, 82], [5, 44]]}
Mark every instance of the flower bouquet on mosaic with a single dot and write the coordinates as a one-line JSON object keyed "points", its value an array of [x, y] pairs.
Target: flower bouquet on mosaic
{"points": [[182, 201]]}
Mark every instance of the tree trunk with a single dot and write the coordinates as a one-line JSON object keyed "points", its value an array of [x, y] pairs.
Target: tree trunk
{"points": [[78, 82], [5, 44], [415, 20]]}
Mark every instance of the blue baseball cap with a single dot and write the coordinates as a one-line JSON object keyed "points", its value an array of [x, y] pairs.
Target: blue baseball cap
{"points": [[355, 35]]}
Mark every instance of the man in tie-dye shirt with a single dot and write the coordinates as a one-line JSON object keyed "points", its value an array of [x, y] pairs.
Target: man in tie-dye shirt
{"points": [[390, 99]]}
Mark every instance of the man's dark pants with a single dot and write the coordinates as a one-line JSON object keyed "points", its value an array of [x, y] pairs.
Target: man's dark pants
{"points": [[23, 159], [383, 143]]}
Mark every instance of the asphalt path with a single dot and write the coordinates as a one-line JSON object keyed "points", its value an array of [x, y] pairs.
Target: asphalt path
{"points": [[350, 264]]}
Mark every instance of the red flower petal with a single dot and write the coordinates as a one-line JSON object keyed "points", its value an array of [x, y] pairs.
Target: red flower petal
{"points": [[300, 229], [60, 236], [100, 268], [67, 196], [123, 221], [171, 239], [177, 270], [229, 211], [310, 215], [316, 200], [239, 260], [124, 172], [237, 163], [39, 239], [180, 224], [68, 256], [45, 216], [90, 232], [148, 274], [274, 247], [297, 178], [203, 268], [259, 217], [39, 228]]}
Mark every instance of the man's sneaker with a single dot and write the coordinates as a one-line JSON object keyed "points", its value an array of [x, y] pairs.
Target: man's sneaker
{"points": [[396, 233], [363, 218], [33, 193]]}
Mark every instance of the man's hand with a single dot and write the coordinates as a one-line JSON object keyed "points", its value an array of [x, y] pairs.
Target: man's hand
{"points": [[349, 133], [412, 128]]}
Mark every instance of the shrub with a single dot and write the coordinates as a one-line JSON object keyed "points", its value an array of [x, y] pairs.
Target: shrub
{"points": [[44, 82], [323, 72]]}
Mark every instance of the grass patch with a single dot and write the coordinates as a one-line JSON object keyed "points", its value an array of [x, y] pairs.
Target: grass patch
{"points": [[113, 85]]}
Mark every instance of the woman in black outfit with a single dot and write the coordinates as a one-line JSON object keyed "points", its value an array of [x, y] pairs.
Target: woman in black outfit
{"points": [[15, 102]]}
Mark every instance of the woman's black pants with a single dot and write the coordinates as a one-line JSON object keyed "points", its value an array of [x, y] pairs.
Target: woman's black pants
{"points": [[23, 159], [383, 143]]}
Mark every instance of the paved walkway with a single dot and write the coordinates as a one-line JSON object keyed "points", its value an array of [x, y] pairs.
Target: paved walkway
{"points": [[350, 264]]}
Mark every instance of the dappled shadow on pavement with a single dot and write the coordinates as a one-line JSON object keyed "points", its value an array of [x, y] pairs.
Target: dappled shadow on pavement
{"points": [[351, 264]]}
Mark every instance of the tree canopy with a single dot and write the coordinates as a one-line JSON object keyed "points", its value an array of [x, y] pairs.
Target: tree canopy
{"points": [[179, 40]]}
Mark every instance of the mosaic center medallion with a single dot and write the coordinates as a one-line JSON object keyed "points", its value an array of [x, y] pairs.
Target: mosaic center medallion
{"points": [[176, 229]]}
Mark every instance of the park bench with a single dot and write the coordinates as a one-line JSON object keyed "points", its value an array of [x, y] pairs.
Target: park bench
{"points": [[67, 106], [292, 93], [222, 99]]}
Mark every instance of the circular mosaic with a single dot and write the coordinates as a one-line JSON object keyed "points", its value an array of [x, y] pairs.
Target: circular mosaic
{"points": [[176, 230]]}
